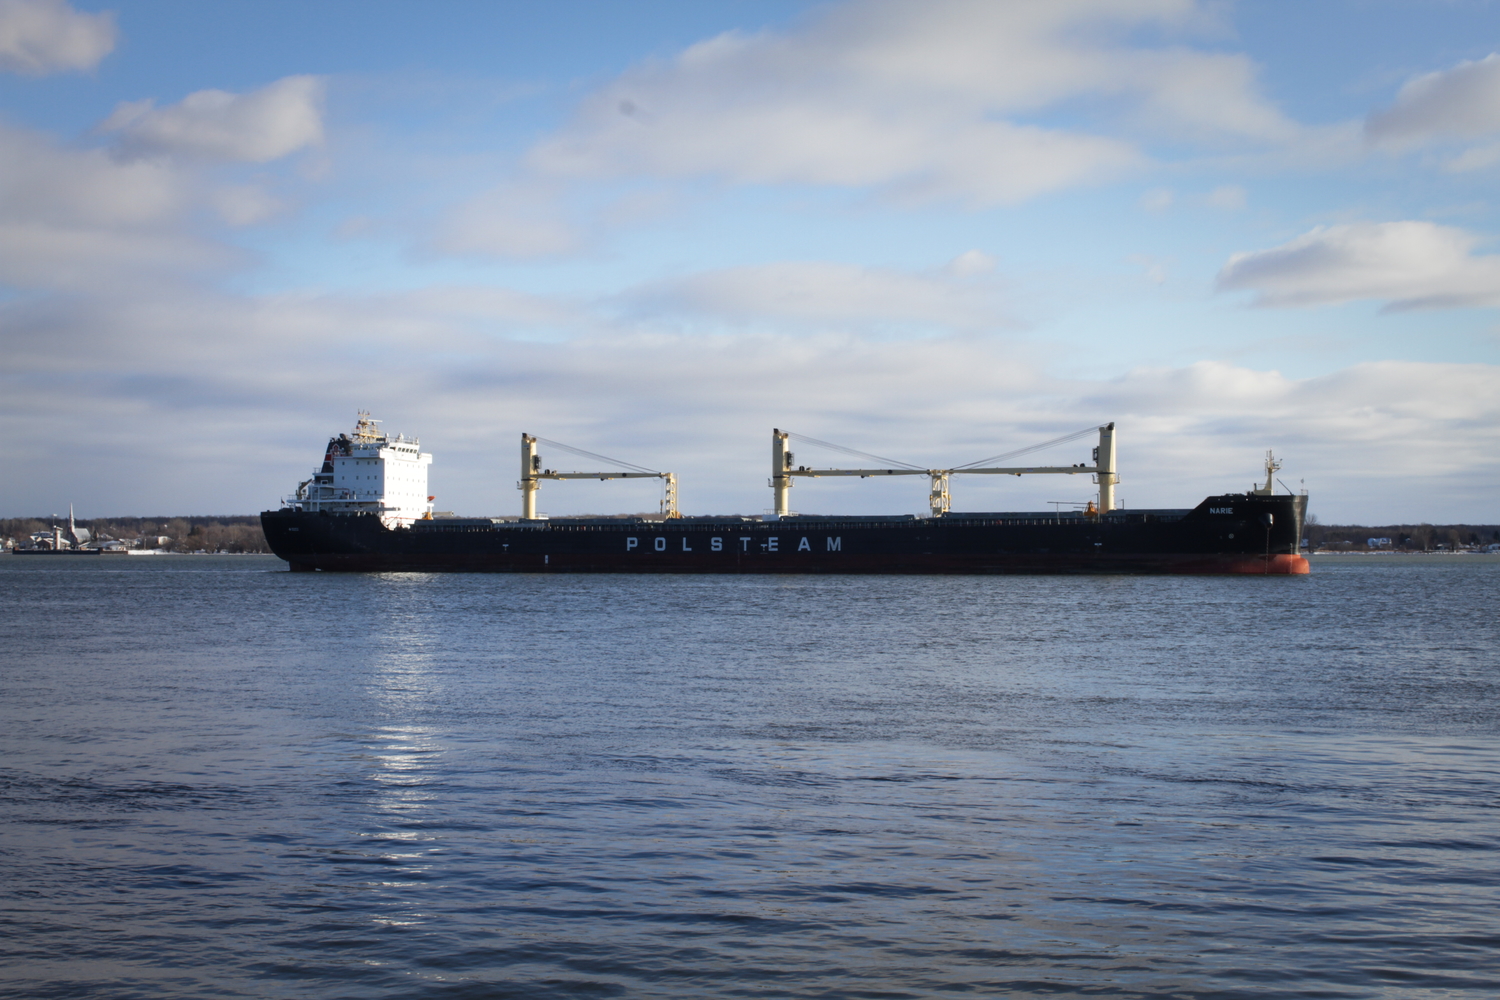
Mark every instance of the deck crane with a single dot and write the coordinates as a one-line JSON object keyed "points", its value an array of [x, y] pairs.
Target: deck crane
{"points": [[532, 474], [783, 471]]}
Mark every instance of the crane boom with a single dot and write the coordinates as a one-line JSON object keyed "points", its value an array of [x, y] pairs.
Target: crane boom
{"points": [[1103, 469], [532, 474]]}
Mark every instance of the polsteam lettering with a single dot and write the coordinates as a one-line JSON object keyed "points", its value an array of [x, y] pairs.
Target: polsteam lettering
{"points": [[831, 543]]}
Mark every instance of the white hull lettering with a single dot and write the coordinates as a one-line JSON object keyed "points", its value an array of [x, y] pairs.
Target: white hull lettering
{"points": [[685, 544], [802, 546], [716, 544], [660, 545], [836, 544], [772, 543], [746, 543], [631, 543]]}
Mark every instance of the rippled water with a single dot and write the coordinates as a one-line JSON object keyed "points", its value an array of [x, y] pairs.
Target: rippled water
{"points": [[220, 779]]}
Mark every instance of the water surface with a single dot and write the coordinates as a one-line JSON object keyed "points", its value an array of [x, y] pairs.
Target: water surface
{"points": [[220, 779]]}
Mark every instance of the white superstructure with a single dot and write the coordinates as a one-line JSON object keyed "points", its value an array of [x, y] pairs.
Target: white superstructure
{"points": [[369, 472]]}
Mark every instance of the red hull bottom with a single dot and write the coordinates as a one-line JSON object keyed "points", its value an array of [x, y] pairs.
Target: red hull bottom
{"points": [[1217, 564]]}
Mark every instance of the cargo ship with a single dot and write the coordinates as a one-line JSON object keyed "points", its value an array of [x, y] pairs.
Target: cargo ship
{"points": [[366, 509]]}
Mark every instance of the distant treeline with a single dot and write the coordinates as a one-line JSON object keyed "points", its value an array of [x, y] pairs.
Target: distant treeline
{"points": [[1410, 537], [183, 534]]}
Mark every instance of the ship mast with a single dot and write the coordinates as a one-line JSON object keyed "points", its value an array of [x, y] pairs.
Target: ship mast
{"points": [[1272, 467]]}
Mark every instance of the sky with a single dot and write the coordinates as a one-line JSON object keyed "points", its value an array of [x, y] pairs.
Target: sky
{"points": [[933, 231]]}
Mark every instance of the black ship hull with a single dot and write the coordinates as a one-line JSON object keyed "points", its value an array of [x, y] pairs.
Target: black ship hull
{"points": [[1232, 534]]}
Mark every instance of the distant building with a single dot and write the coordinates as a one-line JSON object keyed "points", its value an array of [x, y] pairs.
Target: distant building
{"points": [[59, 539]]}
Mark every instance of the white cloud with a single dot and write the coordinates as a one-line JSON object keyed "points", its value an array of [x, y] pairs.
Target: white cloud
{"points": [[42, 181], [1459, 103], [1377, 442], [158, 382], [49, 36], [918, 100], [1226, 196], [970, 263], [1229, 197], [832, 297], [514, 220], [1154, 269], [82, 220], [1476, 158], [1157, 199], [62, 258], [257, 127], [1409, 265], [244, 204], [86, 220]]}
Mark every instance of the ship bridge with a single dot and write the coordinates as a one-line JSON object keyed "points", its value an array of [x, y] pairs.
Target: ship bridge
{"points": [[368, 471]]}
